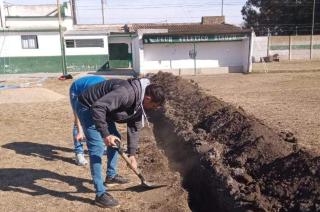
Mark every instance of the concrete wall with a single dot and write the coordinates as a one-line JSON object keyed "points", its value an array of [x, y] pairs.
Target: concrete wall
{"points": [[51, 22], [288, 47], [2, 20], [10, 44], [136, 54], [260, 48], [279, 45], [247, 54], [49, 45], [36, 16], [38, 10], [301, 47], [212, 57]]}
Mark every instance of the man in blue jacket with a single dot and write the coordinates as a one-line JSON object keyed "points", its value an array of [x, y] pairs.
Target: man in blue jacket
{"points": [[78, 136], [98, 107]]}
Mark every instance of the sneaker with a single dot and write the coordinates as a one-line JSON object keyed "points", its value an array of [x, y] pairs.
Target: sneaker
{"points": [[80, 160], [106, 201], [117, 179]]}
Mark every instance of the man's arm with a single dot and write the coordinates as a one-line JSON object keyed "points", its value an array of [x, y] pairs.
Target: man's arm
{"points": [[133, 133], [103, 107], [80, 136]]}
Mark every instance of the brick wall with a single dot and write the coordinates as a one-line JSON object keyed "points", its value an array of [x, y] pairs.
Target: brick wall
{"points": [[212, 20]]}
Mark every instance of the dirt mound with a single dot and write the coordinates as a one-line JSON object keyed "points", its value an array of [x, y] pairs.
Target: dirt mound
{"points": [[238, 163]]}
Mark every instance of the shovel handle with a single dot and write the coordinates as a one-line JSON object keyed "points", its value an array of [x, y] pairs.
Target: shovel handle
{"points": [[125, 157]]}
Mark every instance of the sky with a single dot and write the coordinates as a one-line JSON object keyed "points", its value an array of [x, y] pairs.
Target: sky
{"points": [[149, 11]]}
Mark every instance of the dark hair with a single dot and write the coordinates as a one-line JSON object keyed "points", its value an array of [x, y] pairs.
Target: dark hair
{"points": [[156, 93]]}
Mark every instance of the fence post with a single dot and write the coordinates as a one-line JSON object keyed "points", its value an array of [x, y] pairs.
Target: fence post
{"points": [[311, 46], [268, 47], [290, 46]]}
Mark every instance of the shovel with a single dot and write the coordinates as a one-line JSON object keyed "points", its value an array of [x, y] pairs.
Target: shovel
{"points": [[144, 183]]}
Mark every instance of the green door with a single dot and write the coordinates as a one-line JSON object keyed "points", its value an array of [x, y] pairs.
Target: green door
{"points": [[119, 56]]}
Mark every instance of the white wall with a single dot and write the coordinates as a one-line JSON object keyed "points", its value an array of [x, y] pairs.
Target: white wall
{"points": [[38, 22], [49, 45], [247, 54], [10, 44], [37, 10], [88, 50], [136, 60], [260, 47], [2, 21], [176, 56]]}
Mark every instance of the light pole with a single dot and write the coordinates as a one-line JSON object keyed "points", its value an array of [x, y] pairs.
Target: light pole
{"points": [[63, 54], [74, 13], [222, 8], [312, 30], [102, 11]]}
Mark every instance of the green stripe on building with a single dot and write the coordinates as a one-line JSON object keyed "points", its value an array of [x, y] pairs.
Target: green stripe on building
{"points": [[147, 39], [87, 63], [119, 63], [122, 63], [296, 47], [279, 47], [52, 64]]}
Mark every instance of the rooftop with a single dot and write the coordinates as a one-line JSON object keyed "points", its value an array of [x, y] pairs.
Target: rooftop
{"points": [[192, 28]]}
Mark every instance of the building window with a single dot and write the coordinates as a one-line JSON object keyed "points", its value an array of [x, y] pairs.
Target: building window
{"points": [[81, 43], [70, 43], [29, 42]]}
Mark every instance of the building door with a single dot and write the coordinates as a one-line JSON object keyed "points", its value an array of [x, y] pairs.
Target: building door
{"points": [[119, 55]]}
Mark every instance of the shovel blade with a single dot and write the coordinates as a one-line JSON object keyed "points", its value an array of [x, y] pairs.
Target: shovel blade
{"points": [[149, 185]]}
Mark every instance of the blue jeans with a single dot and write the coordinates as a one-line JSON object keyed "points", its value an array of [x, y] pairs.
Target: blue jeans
{"points": [[96, 146], [77, 87]]}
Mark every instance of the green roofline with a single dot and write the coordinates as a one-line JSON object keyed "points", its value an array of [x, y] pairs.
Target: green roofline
{"points": [[123, 35]]}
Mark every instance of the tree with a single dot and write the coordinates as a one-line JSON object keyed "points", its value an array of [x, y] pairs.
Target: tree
{"points": [[281, 17]]}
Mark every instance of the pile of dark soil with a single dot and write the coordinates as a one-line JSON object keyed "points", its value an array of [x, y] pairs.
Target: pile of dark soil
{"points": [[231, 161]]}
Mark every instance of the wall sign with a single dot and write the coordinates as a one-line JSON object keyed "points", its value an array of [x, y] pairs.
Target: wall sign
{"points": [[192, 38]]}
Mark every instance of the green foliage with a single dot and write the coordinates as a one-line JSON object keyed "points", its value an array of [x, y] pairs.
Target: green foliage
{"points": [[281, 17]]}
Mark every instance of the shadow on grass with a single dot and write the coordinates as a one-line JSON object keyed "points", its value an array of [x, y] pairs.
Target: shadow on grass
{"points": [[44, 151], [138, 188], [27, 181]]}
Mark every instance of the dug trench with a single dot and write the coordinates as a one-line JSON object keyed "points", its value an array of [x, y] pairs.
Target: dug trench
{"points": [[230, 161]]}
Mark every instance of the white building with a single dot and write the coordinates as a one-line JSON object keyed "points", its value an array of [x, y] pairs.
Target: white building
{"points": [[205, 48], [30, 42]]}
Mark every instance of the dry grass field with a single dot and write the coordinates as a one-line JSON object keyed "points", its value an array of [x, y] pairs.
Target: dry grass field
{"points": [[283, 101]]}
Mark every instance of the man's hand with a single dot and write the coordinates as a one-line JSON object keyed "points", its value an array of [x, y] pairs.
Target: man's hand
{"points": [[80, 136], [110, 140], [133, 162]]}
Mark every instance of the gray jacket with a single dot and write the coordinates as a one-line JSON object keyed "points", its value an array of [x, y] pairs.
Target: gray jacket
{"points": [[118, 101]]}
